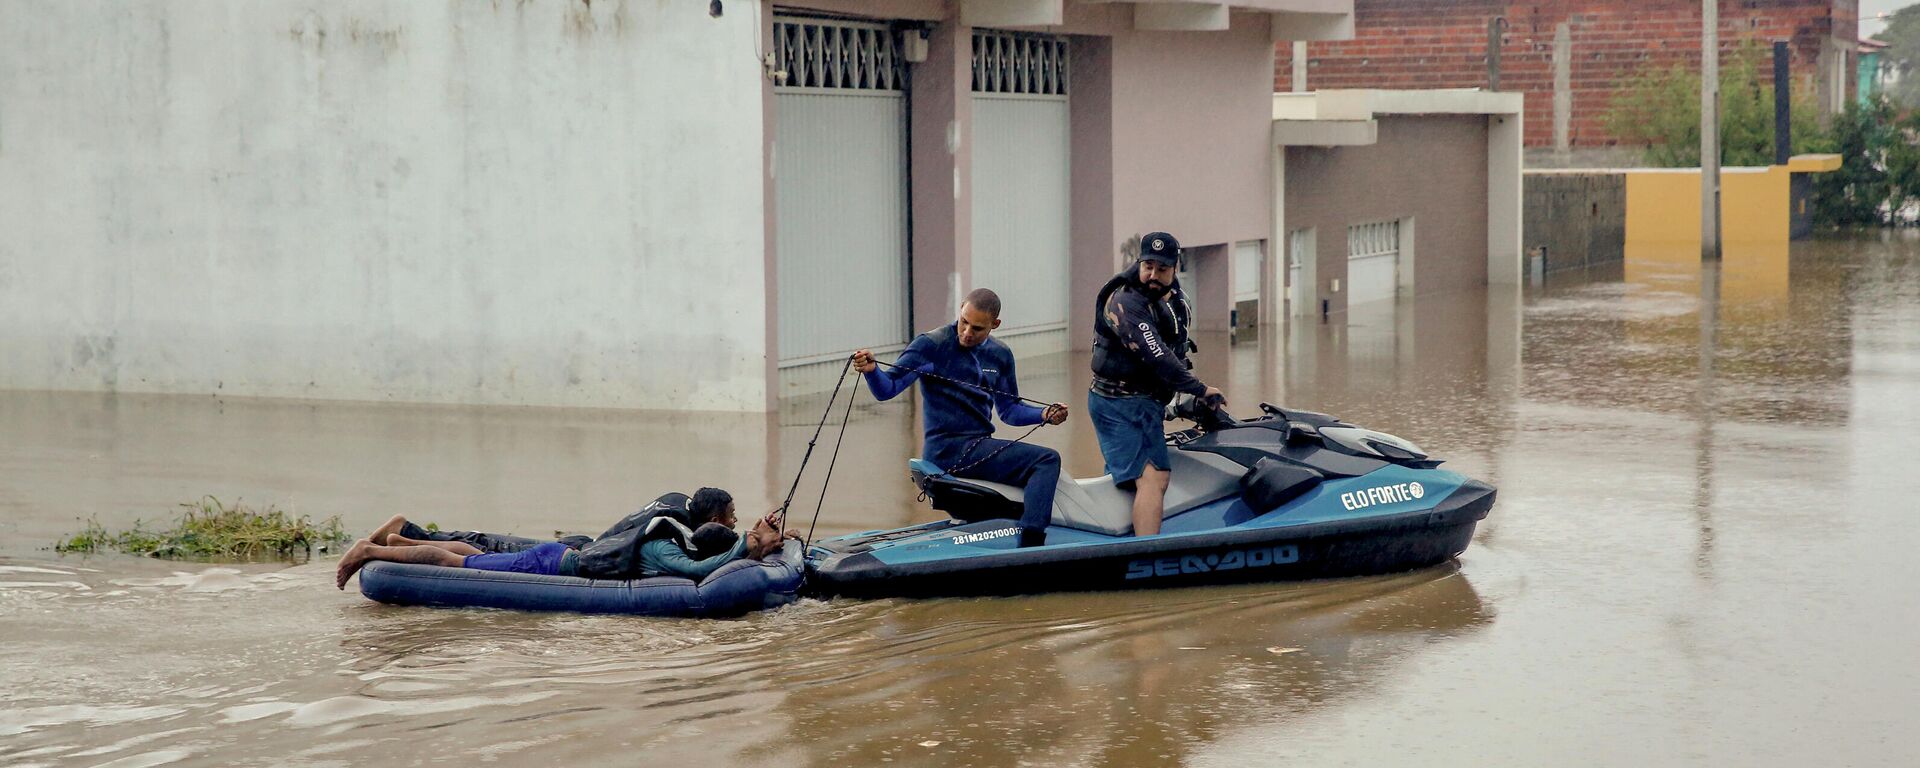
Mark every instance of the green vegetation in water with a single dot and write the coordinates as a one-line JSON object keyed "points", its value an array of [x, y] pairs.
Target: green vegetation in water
{"points": [[208, 529]]}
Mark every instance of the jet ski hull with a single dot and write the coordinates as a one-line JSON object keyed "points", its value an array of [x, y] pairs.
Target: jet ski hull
{"points": [[1320, 535]]}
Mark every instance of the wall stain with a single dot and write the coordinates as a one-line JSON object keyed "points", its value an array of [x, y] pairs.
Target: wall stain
{"points": [[96, 353], [580, 22], [310, 31], [367, 33]]}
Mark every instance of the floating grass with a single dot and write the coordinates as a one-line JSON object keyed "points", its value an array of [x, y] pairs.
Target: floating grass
{"points": [[209, 529]]}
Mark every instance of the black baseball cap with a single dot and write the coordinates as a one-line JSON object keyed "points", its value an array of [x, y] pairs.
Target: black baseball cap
{"points": [[1160, 247]]}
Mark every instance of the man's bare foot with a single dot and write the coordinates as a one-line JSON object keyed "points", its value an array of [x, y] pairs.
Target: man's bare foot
{"points": [[389, 528], [350, 563]]}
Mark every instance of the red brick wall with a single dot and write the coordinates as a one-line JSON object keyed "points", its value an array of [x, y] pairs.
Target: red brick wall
{"points": [[1443, 44]]}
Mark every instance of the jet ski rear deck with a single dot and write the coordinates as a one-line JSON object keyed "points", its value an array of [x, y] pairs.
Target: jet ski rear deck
{"points": [[1352, 502]]}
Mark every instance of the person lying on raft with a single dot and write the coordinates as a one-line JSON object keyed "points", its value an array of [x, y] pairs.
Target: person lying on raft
{"points": [[706, 504], [661, 544]]}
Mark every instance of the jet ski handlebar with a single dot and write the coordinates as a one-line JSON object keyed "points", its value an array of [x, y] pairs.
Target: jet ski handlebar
{"points": [[1208, 414]]}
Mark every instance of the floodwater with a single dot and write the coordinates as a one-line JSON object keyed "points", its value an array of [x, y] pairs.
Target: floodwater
{"points": [[1700, 556]]}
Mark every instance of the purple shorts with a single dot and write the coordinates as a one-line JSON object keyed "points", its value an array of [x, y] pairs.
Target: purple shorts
{"points": [[544, 560]]}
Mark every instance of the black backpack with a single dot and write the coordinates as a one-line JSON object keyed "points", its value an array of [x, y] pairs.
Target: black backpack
{"points": [[616, 554]]}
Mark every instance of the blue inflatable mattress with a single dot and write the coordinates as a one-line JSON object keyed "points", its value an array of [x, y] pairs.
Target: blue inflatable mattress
{"points": [[738, 587]]}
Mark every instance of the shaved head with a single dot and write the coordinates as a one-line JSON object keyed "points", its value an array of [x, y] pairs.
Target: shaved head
{"points": [[985, 300]]}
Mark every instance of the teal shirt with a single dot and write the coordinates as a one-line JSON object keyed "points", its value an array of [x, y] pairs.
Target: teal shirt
{"points": [[662, 557]]}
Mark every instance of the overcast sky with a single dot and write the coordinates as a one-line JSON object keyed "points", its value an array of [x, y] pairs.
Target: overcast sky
{"points": [[1870, 26]]}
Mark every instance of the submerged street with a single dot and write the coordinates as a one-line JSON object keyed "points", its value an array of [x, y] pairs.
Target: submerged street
{"points": [[1699, 556]]}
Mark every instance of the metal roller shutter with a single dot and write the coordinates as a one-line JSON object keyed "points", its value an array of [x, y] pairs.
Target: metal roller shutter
{"points": [[840, 189], [1022, 135]]}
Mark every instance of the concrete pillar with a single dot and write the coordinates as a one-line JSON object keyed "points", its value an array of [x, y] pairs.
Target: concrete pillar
{"points": [[1563, 90], [1504, 186], [770, 248], [1273, 290], [1094, 256], [1710, 130], [1212, 290], [940, 111], [1299, 66]]}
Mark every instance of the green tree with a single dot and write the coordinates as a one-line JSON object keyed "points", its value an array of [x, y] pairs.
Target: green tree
{"points": [[1879, 169], [1902, 37], [1660, 109]]}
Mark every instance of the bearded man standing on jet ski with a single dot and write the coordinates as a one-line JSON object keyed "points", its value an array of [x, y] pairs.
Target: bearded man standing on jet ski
{"points": [[959, 417], [1139, 363]]}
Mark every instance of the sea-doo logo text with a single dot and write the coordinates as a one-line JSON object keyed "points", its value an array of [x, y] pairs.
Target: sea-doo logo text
{"points": [[969, 538], [1230, 560], [1153, 342], [1385, 494]]}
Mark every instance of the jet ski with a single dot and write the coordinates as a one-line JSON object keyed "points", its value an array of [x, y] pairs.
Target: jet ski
{"points": [[1287, 495]]}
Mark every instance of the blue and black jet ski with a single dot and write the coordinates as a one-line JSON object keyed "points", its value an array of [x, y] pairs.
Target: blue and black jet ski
{"points": [[1287, 495]]}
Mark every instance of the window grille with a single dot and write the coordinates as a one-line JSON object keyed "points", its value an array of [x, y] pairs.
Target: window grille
{"points": [[843, 55], [1019, 63], [1378, 238]]}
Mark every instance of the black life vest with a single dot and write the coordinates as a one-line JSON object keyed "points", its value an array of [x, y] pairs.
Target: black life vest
{"points": [[1111, 358], [616, 554]]}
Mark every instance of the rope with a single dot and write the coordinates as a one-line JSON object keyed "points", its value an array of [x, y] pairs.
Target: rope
{"points": [[967, 384], [816, 438], [844, 418], [847, 417], [976, 441]]}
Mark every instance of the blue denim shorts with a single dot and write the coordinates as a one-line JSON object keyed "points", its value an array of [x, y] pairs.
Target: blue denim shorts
{"points": [[1130, 432], [544, 560]]}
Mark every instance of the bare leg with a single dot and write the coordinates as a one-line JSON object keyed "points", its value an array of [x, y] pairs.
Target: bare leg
{"points": [[457, 547], [389, 528], [364, 551], [1150, 493]]}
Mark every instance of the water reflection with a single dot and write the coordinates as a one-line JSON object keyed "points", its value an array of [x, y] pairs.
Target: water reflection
{"points": [[1698, 557], [1111, 681]]}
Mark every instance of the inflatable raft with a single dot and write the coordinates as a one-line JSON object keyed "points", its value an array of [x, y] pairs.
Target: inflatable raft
{"points": [[738, 587]]}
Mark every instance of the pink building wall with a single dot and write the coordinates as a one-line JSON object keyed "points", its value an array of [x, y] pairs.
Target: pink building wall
{"points": [[1170, 131], [1192, 128], [1437, 174]]}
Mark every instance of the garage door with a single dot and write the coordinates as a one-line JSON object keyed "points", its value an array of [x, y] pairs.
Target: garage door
{"points": [[840, 189], [1020, 188], [1373, 262], [1301, 260]]}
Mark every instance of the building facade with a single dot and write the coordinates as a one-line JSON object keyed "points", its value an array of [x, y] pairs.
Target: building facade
{"points": [[661, 205], [1570, 56], [1387, 195]]}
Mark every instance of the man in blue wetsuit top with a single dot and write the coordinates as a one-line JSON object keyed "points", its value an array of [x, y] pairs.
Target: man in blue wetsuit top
{"points": [[959, 417], [1140, 362]]}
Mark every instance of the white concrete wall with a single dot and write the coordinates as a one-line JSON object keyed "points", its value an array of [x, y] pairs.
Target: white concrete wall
{"points": [[534, 202]]}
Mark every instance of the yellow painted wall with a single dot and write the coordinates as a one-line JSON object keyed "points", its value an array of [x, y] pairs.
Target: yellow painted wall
{"points": [[1663, 205]]}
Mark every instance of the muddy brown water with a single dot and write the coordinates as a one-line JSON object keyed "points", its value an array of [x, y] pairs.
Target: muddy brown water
{"points": [[1701, 555]]}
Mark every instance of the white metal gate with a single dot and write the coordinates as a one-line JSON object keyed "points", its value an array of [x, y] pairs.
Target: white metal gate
{"points": [[840, 188], [1373, 262], [1300, 272], [1021, 141], [1247, 262]]}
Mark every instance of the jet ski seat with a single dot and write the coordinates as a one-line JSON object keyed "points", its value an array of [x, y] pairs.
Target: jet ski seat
{"points": [[1096, 505]]}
